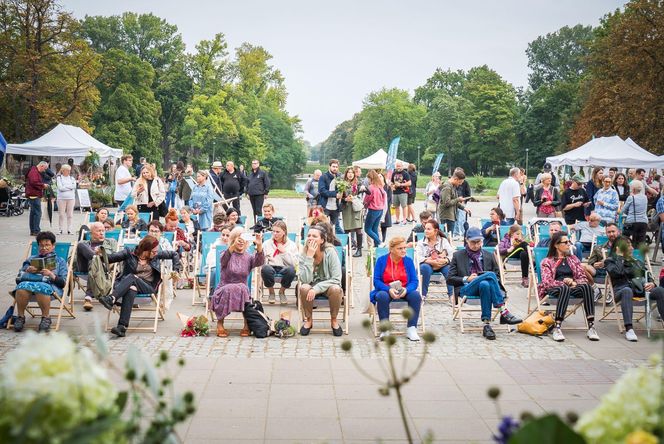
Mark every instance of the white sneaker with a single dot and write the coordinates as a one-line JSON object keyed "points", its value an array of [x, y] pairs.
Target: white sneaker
{"points": [[630, 335], [558, 334], [383, 335], [592, 334], [411, 333], [597, 293]]}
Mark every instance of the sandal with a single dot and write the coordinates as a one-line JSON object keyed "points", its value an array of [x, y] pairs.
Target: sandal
{"points": [[221, 332], [244, 332]]}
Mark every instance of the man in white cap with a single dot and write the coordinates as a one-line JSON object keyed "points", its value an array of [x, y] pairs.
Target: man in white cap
{"points": [[215, 174]]}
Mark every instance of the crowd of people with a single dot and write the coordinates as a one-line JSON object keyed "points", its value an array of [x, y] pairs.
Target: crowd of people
{"points": [[577, 214]]}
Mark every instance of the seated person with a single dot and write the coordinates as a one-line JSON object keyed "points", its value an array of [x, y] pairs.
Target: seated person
{"points": [[85, 251], [171, 226], [312, 212], [102, 215], [586, 233], [218, 221], [425, 216], [156, 229], [395, 279], [435, 253], [474, 272], [319, 272], [232, 292], [233, 216], [512, 246], [623, 269], [41, 285], [595, 266], [132, 224], [280, 256], [108, 225], [490, 230], [268, 218], [191, 226], [563, 278], [141, 274], [554, 227]]}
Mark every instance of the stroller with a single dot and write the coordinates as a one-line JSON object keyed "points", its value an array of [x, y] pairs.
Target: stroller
{"points": [[10, 204]]}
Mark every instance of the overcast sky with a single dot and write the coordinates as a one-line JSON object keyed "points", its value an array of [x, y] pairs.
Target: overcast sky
{"points": [[333, 53]]}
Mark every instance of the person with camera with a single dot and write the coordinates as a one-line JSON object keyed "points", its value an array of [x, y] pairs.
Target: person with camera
{"points": [[395, 279]]}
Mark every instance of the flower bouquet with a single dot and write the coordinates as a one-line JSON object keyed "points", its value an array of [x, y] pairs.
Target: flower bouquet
{"points": [[342, 186], [194, 326]]}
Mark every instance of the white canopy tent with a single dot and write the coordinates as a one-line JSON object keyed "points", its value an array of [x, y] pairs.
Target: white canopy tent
{"points": [[65, 141], [608, 152], [376, 161]]}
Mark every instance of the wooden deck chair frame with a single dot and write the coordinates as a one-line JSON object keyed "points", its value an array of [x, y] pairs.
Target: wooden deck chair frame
{"points": [[322, 304], [533, 280], [437, 294], [64, 305], [395, 308], [155, 311], [198, 295]]}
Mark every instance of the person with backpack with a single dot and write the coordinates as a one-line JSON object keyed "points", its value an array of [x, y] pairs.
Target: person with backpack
{"points": [[86, 252]]}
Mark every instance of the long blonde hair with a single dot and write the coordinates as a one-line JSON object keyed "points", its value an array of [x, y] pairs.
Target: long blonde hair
{"points": [[142, 180]]}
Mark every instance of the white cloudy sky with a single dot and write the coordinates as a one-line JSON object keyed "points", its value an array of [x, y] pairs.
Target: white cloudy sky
{"points": [[333, 53]]}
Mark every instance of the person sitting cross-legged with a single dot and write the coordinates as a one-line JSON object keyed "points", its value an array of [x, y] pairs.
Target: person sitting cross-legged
{"points": [[280, 256], [86, 250], [39, 284], [475, 272], [624, 268], [563, 277], [395, 279], [512, 246], [435, 253], [595, 267]]}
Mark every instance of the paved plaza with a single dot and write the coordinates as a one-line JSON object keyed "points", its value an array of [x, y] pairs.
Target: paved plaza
{"points": [[306, 389]]}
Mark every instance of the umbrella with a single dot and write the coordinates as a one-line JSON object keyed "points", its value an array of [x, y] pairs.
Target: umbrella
{"points": [[47, 177]]}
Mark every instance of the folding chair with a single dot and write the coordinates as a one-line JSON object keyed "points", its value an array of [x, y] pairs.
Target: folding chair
{"points": [[536, 256], [204, 242], [92, 216], [169, 236], [277, 276], [396, 307], [63, 304], [147, 217], [77, 276], [437, 291], [322, 304]]}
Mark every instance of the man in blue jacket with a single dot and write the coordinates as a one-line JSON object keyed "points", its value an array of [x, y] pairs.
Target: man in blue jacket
{"points": [[328, 197]]}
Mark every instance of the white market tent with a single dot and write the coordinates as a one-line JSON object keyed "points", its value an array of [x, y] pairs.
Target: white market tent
{"points": [[65, 141], [608, 152], [376, 161]]}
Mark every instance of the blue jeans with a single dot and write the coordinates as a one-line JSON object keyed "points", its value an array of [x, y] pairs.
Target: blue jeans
{"points": [[335, 220], [371, 225], [510, 221], [427, 270], [35, 214], [459, 229], [170, 199], [579, 249], [413, 298], [487, 287]]}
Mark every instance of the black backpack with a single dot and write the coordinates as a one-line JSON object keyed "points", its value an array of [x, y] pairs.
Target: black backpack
{"points": [[257, 321]]}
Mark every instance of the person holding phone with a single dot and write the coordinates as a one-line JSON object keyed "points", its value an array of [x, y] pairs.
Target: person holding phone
{"points": [[450, 201], [395, 279]]}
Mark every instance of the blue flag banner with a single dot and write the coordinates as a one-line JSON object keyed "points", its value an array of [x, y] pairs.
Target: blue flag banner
{"points": [[436, 164], [392, 156], [3, 149]]}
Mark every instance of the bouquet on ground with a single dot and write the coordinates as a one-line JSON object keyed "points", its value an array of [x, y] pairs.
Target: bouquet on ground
{"points": [[194, 325]]}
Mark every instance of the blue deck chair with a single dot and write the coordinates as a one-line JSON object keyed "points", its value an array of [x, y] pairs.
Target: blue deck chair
{"points": [[205, 241], [147, 217]]}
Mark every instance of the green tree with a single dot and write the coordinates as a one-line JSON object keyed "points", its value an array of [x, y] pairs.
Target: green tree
{"points": [[339, 144], [47, 71], [209, 65], [386, 114], [174, 92], [285, 153], [128, 116]]}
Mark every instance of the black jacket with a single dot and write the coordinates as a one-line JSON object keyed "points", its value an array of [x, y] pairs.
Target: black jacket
{"points": [[232, 184], [460, 267], [258, 183], [324, 189], [463, 190], [130, 261], [537, 199], [216, 179]]}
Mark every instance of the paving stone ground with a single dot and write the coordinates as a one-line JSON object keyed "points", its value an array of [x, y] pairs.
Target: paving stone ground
{"points": [[306, 389]]}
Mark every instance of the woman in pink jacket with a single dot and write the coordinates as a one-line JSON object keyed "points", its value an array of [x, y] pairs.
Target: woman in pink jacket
{"points": [[374, 202]]}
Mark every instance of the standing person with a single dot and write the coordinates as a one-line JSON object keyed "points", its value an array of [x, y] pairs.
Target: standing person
{"points": [[431, 193], [450, 200], [607, 201], [75, 171], [463, 190], [172, 179], [202, 201], [329, 197], [374, 201], [387, 216], [509, 196], [547, 197], [363, 180], [215, 176], [400, 190], [636, 214], [594, 184], [141, 163], [574, 201], [123, 180], [34, 191], [546, 169], [311, 189], [66, 186], [622, 188], [184, 189], [258, 187], [149, 192], [352, 214], [412, 172], [640, 174], [232, 184]]}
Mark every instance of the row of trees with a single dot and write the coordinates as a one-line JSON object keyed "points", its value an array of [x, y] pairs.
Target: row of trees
{"points": [[129, 80], [584, 82]]}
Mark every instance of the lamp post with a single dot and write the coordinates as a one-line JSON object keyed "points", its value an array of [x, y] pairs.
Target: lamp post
{"points": [[526, 161], [418, 158]]}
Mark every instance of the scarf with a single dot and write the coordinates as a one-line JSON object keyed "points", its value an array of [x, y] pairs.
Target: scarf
{"points": [[475, 264]]}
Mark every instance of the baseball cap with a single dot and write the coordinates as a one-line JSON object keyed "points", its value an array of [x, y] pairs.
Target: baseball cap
{"points": [[473, 234], [547, 166], [578, 178]]}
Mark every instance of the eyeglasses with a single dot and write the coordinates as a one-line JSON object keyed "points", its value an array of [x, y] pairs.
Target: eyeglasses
{"points": [[567, 242]]}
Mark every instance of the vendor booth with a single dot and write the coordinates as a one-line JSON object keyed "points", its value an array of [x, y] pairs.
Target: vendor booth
{"points": [[608, 152], [376, 161]]}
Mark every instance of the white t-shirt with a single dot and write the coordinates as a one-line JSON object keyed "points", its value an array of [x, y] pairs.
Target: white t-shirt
{"points": [[509, 189], [122, 191]]}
